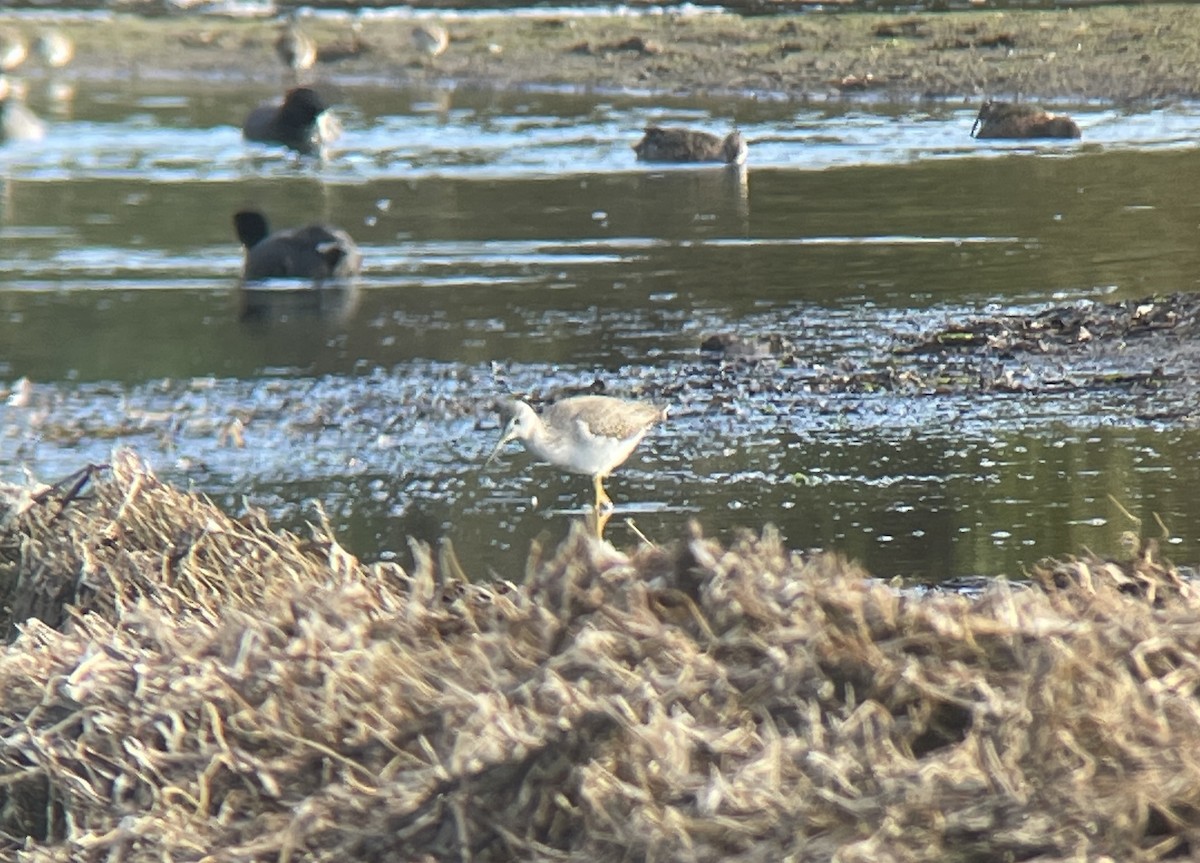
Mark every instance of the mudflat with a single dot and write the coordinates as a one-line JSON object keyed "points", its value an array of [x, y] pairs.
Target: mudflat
{"points": [[1117, 54]]}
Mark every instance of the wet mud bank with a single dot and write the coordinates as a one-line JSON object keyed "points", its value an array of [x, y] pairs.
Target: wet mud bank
{"points": [[1140, 347], [1145, 348], [205, 687], [1115, 54]]}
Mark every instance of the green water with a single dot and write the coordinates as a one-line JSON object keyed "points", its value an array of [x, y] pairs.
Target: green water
{"points": [[513, 246]]}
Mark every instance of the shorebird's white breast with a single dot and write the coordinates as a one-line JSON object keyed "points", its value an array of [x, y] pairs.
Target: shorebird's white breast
{"points": [[596, 453]]}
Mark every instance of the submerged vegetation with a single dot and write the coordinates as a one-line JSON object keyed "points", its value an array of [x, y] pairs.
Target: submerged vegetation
{"points": [[206, 688]]}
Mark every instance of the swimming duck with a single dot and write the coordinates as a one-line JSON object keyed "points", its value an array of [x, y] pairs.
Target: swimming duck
{"points": [[316, 252], [687, 145], [17, 122], [1012, 120], [300, 123]]}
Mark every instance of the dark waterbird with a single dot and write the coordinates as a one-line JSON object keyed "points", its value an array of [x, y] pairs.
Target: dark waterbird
{"points": [[316, 252], [677, 144], [300, 122], [1012, 120]]}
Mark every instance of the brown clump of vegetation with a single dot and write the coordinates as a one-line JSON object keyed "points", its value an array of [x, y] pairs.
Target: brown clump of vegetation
{"points": [[1063, 328], [221, 691]]}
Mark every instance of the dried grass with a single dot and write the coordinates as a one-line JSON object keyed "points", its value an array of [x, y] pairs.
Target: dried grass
{"points": [[219, 691]]}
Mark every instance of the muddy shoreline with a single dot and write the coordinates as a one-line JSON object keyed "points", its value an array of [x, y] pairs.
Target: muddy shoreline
{"points": [[1115, 55]]}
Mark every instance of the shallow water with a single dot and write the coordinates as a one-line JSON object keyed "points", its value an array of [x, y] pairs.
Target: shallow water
{"points": [[514, 246]]}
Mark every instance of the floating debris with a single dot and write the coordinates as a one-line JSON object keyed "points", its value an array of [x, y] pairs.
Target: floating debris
{"points": [[1066, 327], [731, 346]]}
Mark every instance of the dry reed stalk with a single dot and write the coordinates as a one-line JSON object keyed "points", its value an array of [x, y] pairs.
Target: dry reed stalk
{"points": [[219, 691]]}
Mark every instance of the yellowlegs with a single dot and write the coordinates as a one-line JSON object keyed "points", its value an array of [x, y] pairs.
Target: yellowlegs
{"points": [[687, 145], [589, 435], [295, 48], [314, 252], [54, 49], [300, 122], [13, 49], [1012, 120], [431, 39], [17, 122]]}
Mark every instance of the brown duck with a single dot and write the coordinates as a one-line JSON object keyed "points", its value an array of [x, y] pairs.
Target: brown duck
{"points": [[687, 145], [1012, 120]]}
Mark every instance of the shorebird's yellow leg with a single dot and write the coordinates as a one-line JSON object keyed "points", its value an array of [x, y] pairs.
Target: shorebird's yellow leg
{"points": [[597, 520], [603, 501]]}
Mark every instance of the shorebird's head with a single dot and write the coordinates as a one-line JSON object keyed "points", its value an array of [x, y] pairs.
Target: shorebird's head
{"points": [[520, 425]]}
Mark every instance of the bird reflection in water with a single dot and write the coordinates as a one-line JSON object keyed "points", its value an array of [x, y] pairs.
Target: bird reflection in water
{"points": [[280, 303]]}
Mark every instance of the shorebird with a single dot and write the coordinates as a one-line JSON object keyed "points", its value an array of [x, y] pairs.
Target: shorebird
{"points": [[590, 435], [295, 48], [17, 122], [301, 122], [13, 49], [430, 39], [54, 48], [316, 252], [1012, 120]]}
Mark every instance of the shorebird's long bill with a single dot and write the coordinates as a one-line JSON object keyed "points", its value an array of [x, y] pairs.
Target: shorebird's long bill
{"points": [[504, 438]]}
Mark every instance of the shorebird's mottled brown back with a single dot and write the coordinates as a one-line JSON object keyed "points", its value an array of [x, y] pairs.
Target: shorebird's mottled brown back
{"points": [[605, 416]]}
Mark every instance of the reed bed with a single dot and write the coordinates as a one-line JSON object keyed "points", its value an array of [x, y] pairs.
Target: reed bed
{"points": [[204, 688]]}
